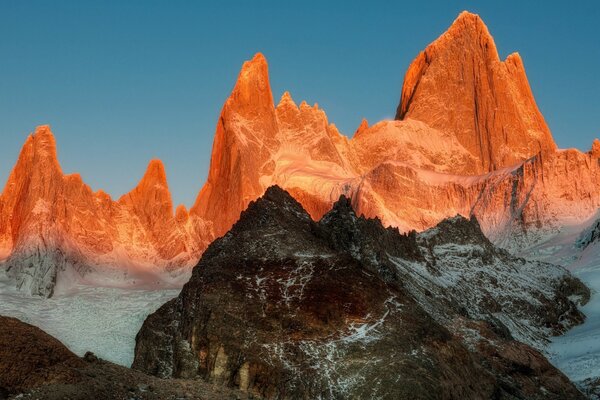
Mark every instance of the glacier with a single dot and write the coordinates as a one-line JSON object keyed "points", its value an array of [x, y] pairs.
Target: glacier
{"points": [[103, 320]]}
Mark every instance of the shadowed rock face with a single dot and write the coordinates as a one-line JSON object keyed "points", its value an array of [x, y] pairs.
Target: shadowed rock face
{"points": [[285, 307], [29, 357]]}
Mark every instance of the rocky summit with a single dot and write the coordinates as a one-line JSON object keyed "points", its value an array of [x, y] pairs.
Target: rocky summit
{"points": [[283, 307]]}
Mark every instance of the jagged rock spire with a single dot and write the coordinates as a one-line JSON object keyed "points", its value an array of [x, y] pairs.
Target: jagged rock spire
{"points": [[459, 85]]}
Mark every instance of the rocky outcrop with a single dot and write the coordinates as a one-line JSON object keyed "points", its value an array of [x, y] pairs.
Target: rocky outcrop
{"points": [[29, 357], [257, 143], [285, 307], [34, 365]]}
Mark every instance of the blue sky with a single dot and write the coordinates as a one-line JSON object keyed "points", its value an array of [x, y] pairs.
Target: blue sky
{"points": [[122, 82]]}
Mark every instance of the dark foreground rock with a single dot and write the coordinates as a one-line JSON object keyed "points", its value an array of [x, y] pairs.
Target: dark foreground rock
{"points": [[34, 365], [283, 307]]}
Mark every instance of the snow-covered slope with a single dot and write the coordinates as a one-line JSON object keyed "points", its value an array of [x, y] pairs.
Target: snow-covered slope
{"points": [[577, 352], [86, 318]]}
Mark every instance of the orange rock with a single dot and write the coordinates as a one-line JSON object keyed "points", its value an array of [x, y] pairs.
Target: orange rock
{"points": [[51, 222], [364, 125], [470, 140], [245, 134], [460, 85], [595, 150]]}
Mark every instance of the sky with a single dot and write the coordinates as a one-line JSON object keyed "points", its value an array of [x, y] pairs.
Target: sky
{"points": [[122, 82]]}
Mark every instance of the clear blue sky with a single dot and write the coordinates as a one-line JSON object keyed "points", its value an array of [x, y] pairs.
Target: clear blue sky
{"points": [[122, 82]]}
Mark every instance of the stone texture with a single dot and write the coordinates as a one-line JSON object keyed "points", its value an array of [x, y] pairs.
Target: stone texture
{"points": [[34, 365], [460, 85], [285, 307], [470, 141], [54, 228]]}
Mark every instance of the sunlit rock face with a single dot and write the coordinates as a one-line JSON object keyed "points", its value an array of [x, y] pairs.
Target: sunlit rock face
{"points": [[257, 144], [54, 229], [459, 85], [468, 139]]}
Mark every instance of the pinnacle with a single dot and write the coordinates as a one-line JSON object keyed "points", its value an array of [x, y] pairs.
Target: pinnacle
{"points": [[364, 125], [252, 91], [286, 98], [155, 173]]}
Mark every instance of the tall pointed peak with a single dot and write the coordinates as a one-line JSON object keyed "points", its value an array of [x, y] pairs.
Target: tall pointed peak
{"points": [[151, 193], [252, 91], [459, 85], [286, 100], [153, 183], [468, 20], [155, 173], [181, 213], [254, 71], [44, 144], [43, 130], [364, 125], [38, 157], [469, 26], [595, 150]]}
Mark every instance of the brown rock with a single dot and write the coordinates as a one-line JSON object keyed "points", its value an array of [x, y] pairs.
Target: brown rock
{"points": [[29, 357]]}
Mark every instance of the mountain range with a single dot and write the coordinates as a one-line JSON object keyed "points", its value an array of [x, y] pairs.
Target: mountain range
{"points": [[468, 139]]}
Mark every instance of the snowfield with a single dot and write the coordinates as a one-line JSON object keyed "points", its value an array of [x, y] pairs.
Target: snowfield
{"points": [[98, 319], [577, 353]]}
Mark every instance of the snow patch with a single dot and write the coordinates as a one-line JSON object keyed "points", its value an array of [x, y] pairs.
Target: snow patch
{"points": [[41, 207]]}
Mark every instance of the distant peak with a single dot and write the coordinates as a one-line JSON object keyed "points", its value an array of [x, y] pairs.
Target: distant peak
{"points": [[254, 70], [494, 114], [595, 150], [152, 189], [467, 17], [286, 99], [468, 20], [257, 67], [364, 125], [43, 130], [258, 58], [252, 92], [42, 136], [40, 147], [155, 173], [181, 213], [468, 31]]}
